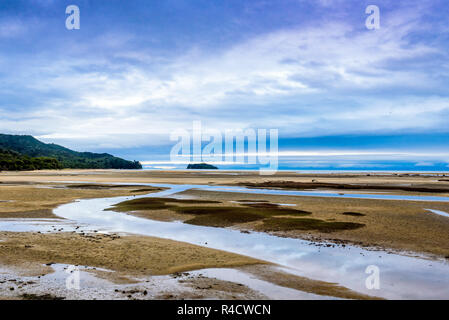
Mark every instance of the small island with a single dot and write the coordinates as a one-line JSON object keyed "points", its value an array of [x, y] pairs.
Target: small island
{"points": [[202, 166]]}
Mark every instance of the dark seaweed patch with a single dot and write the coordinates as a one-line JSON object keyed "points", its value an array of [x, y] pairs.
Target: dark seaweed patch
{"points": [[153, 204], [340, 186], [103, 186], [32, 296], [287, 224], [354, 214]]}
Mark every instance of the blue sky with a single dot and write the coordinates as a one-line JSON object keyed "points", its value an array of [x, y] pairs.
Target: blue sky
{"points": [[341, 96]]}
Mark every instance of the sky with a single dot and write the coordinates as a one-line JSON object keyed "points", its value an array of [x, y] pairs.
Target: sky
{"points": [[340, 95]]}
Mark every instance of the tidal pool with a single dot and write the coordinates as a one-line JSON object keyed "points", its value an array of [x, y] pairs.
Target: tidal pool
{"points": [[328, 194]]}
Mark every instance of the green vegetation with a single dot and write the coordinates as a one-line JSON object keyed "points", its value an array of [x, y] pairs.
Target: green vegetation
{"points": [[27, 148], [201, 166], [10, 160]]}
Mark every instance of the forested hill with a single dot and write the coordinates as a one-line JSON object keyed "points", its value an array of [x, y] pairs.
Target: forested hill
{"points": [[25, 148], [10, 160]]}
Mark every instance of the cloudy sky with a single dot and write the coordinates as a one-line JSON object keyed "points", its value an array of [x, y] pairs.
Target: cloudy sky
{"points": [[341, 96]]}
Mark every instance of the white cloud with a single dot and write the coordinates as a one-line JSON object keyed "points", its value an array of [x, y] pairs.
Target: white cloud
{"points": [[280, 79], [281, 63]]}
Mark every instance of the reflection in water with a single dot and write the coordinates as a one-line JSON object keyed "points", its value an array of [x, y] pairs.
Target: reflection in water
{"points": [[327, 194], [441, 213], [319, 193], [401, 277], [268, 289], [39, 225]]}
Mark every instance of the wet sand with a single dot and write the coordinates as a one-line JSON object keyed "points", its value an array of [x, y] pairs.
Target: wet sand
{"points": [[227, 177], [127, 255], [37, 200], [121, 262], [389, 225]]}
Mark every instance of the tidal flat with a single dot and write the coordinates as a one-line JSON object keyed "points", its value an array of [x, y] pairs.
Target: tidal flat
{"points": [[161, 224]]}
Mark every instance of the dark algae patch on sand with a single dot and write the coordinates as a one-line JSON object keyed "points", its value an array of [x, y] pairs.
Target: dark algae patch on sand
{"points": [[220, 216], [354, 214], [288, 224], [278, 209], [95, 186], [341, 186], [272, 216], [214, 216], [252, 201], [155, 204], [229, 216], [41, 297]]}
